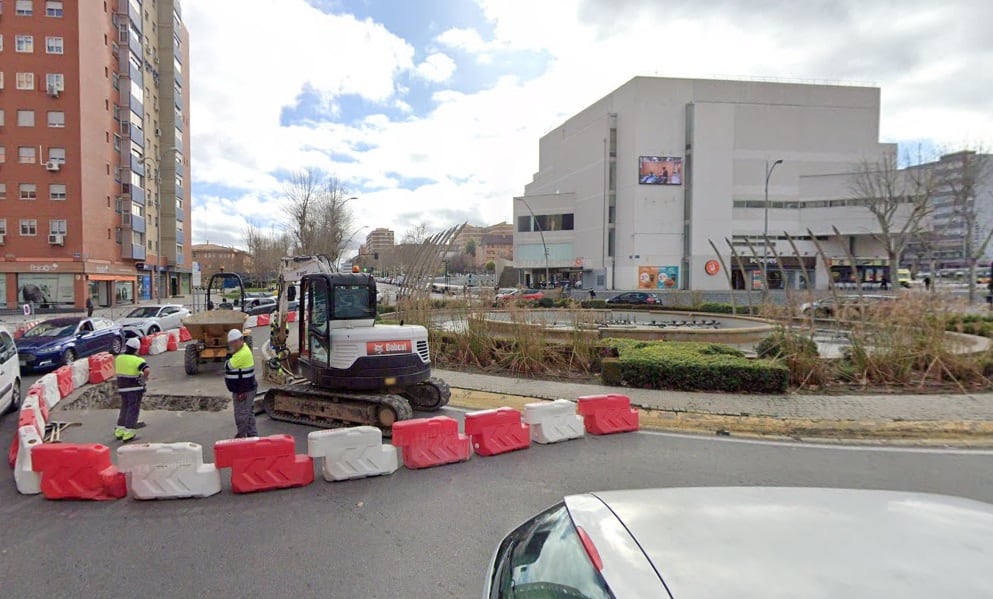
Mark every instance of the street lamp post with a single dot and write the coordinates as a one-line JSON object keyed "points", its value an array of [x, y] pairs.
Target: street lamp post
{"points": [[548, 278], [765, 234]]}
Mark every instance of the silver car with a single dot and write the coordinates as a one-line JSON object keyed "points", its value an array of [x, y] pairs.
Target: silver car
{"points": [[749, 542], [152, 318]]}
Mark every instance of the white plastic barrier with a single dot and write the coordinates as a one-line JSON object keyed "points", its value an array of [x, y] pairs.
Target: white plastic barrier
{"points": [[80, 373], [28, 481], [32, 402], [168, 471], [52, 395], [172, 335], [160, 343], [252, 322], [352, 452], [553, 421]]}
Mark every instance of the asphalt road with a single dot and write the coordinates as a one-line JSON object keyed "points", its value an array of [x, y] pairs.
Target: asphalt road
{"points": [[426, 533]]}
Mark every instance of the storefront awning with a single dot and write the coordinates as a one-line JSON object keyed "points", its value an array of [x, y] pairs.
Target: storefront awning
{"points": [[111, 277]]}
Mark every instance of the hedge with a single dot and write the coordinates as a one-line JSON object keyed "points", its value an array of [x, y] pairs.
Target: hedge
{"points": [[692, 367], [705, 307]]}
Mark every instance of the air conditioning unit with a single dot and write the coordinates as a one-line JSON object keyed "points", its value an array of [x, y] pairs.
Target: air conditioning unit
{"points": [[54, 91], [3, 238], [53, 166], [56, 239]]}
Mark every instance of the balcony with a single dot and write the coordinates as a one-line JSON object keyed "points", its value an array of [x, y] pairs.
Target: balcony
{"points": [[180, 236], [132, 251]]}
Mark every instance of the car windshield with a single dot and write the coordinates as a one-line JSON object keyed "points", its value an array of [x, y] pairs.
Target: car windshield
{"points": [[352, 301], [51, 329], [545, 558], [145, 312]]}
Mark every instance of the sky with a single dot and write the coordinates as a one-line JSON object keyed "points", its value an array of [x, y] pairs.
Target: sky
{"points": [[431, 110]]}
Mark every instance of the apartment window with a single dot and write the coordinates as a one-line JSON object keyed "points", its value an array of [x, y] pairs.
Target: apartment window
{"points": [[57, 155], [56, 119], [1, 42], [55, 81], [116, 81], [23, 8], [54, 45], [1, 72], [3, 226], [57, 227], [3, 191], [26, 155], [57, 191], [24, 44], [3, 154], [53, 8], [29, 227], [25, 118], [117, 142], [25, 81], [28, 191]]}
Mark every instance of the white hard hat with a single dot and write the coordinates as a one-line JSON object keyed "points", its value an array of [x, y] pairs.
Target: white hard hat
{"points": [[133, 343], [234, 335]]}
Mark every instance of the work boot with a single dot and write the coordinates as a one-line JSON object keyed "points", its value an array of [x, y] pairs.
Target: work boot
{"points": [[140, 425], [129, 435], [119, 432]]}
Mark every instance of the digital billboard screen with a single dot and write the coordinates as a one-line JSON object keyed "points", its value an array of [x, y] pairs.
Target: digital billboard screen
{"points": [[660, 170]]}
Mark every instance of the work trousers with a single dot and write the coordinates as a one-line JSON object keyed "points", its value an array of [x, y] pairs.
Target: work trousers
{"points": [[130, 406], [244, 414]]}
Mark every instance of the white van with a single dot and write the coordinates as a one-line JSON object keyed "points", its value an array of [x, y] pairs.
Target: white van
{"points": [[10, 373]]}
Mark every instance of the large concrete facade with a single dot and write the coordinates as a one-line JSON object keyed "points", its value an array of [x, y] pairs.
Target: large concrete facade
{"points": [[604, 228]]}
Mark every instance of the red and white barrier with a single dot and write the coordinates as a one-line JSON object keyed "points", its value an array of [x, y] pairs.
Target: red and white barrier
{"points": [[145, 347], [28, 481], [74, 471], [291, 316], [23, 327], [497, 431], [262, 320], [184, 335], [102, 368], [63, 377], [553, 421], [47, 388], [33, 412], [173, 343], [349, 453], [251, 322], [159, 344], [264, 463], [427, 442], [80, 373], [168, 471], [608, 414]]}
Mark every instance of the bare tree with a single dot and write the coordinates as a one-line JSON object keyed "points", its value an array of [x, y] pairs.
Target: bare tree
{"points": [[968, 186], [267, 249], [898, 199], [319, 217], [416, 235]]}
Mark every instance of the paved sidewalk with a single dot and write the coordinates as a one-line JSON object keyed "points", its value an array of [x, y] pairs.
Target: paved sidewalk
{"points": [[936, 408]]}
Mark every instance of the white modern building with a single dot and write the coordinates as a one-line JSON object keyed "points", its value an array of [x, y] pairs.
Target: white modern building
{"points": [[631, 191]]}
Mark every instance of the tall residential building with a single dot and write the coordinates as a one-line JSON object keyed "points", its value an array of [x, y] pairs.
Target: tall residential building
{"points": [[378, 241], [93, 113]]}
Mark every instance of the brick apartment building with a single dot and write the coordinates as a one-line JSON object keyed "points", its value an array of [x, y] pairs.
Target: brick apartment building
{"points": [[213, 258], [94, 151]]}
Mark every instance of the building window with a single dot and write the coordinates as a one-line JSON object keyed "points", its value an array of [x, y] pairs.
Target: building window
{"points": [[23, 8], [1, 73], [3, 226], [25, 118], [57, 191], [54, 45], [26, 155], [1, 42], [29, 227], [57, 227], [24, 44], [3, 154], [57, 155], [53, 8], [55, 81], [1, 117], [28, 191], [3, 191], [25, 81], [56, 119]]}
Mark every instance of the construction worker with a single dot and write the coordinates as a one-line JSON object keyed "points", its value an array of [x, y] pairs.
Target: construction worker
{"points": [[239, 377], [132, 372]]}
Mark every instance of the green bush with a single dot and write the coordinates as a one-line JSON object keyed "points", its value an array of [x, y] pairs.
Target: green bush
{"points": [[694, 367], [596, 304], [610, 372], [546, 302], [781, 344]]}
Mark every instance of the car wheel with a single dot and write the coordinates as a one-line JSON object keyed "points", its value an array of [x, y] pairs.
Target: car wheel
{"points": [[153, 329], [116, 345], [68, 357], [15, 396]]}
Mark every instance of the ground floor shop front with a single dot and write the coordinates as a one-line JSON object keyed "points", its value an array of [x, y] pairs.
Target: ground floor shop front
{"points": [[54, 285]]}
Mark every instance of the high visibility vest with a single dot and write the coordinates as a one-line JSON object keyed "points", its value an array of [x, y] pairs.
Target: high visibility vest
{"points": [[129, 375], [239, 371]]}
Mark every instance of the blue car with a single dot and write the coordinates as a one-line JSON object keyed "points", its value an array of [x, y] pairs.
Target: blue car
{"points": [[59, 341]]}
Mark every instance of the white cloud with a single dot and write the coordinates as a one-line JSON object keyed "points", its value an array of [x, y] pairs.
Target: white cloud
{"points": [[463, 38], [437, 67]]}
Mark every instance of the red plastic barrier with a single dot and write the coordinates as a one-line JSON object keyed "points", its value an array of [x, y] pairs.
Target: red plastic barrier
{"points": [[39, 392], [264, 463], [607, 414], [172, 344], [73, 471], [497, 431], [28, 418], [12, 452], [291, 316], [427, 442], [263, 320], [64, 376], [184, 335], [101, 368]]}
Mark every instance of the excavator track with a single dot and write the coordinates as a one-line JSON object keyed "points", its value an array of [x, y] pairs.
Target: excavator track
{"points": [[326, 408], [429, 396]]}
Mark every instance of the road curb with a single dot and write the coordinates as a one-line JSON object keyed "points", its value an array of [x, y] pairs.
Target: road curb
{"points": [[965, 433]]}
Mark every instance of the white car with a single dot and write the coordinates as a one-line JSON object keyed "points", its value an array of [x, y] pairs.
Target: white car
{"points": [[10, 373], [152, 319]]}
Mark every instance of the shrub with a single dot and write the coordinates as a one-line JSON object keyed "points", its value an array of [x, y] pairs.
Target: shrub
{"points": [[546, 302], [695, 367], [596, 304], [719, 308], [782, 343]]}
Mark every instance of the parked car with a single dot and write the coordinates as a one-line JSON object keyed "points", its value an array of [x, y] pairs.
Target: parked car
{"points": [[532, 294], [260, 305], [147, 320], [59, 341], [636, 298], [749, 542], [845, 306], [507, 293], [10, 374]]}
